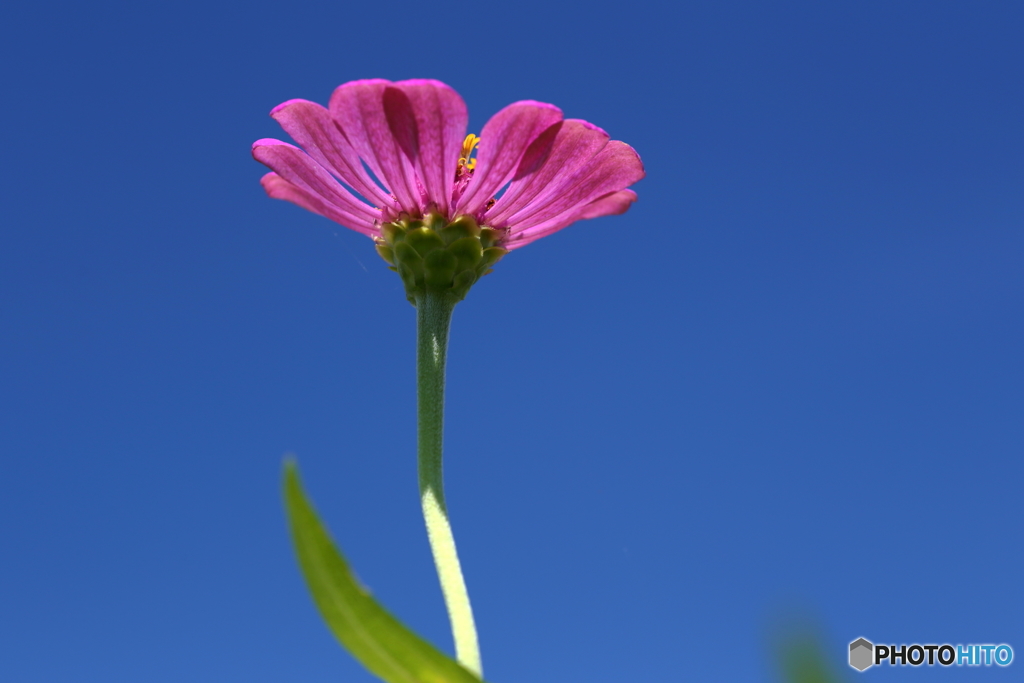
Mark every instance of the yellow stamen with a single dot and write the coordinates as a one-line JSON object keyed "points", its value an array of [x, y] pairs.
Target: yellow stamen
{"points": [[468, 145]]}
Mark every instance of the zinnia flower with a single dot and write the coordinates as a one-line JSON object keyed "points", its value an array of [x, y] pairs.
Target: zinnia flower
{"points": [[534, 172]]}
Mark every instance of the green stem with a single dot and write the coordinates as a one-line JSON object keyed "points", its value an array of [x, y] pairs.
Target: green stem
{"points": [[433, 318]]}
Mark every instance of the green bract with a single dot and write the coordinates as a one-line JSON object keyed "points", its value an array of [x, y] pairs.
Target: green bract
{"points": [[432, 255]]}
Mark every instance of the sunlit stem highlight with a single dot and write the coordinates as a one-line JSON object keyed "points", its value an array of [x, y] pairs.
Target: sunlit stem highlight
{"points": [[433, 319]]}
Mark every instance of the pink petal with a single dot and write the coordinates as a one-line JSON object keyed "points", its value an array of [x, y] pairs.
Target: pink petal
{"points": [[311, 126], [279, 188], [503, 142], [610, 204], [428, 119], [358, 109], [299, 169], [615, 167], [558, 152]]}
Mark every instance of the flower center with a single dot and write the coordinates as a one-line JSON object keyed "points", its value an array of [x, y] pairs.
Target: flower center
{"points": [[466, 163]]}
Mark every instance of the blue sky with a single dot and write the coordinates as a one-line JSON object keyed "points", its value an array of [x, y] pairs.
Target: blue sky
{"points": [[786, 386]]}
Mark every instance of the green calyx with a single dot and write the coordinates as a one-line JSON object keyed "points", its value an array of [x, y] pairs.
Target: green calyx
{"points": [[433, 255]]}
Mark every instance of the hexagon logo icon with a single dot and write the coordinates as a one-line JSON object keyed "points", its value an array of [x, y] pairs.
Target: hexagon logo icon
{"points": [[862, 654]]}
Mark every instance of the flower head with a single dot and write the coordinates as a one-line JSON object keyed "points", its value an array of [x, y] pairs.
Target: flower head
{"points": [[397, 154]]}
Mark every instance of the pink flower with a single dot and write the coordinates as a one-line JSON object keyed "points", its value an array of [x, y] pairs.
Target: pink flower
{"points": [[411, 136]]}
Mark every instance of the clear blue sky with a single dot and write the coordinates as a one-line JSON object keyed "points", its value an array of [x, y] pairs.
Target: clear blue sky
{"points": [[788, 382]]}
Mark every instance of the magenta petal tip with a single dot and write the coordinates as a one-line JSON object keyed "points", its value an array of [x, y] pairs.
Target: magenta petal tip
{"points": [[285, 104]]}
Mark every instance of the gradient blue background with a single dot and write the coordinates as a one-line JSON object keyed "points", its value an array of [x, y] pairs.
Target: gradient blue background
{"points": [[787, 385]]}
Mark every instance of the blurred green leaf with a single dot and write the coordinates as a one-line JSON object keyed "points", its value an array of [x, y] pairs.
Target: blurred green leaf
{"points": [[368, 631], [802, 661]]}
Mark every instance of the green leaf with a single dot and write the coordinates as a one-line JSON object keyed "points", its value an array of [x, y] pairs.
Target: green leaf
{"points": [[804, 661], [377, 639]]}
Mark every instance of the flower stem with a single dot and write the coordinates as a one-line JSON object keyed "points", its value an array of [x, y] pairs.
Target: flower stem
{"points": [[433, 319]]}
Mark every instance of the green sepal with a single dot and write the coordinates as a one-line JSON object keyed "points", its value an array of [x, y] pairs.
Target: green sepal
{"points": [[467, 251], [465, 279], [492, 255], [369, 632], [460, 228], [489, 237], [424, 240], [389, 231], [433, 255], [386, 253], [439, 266]]}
